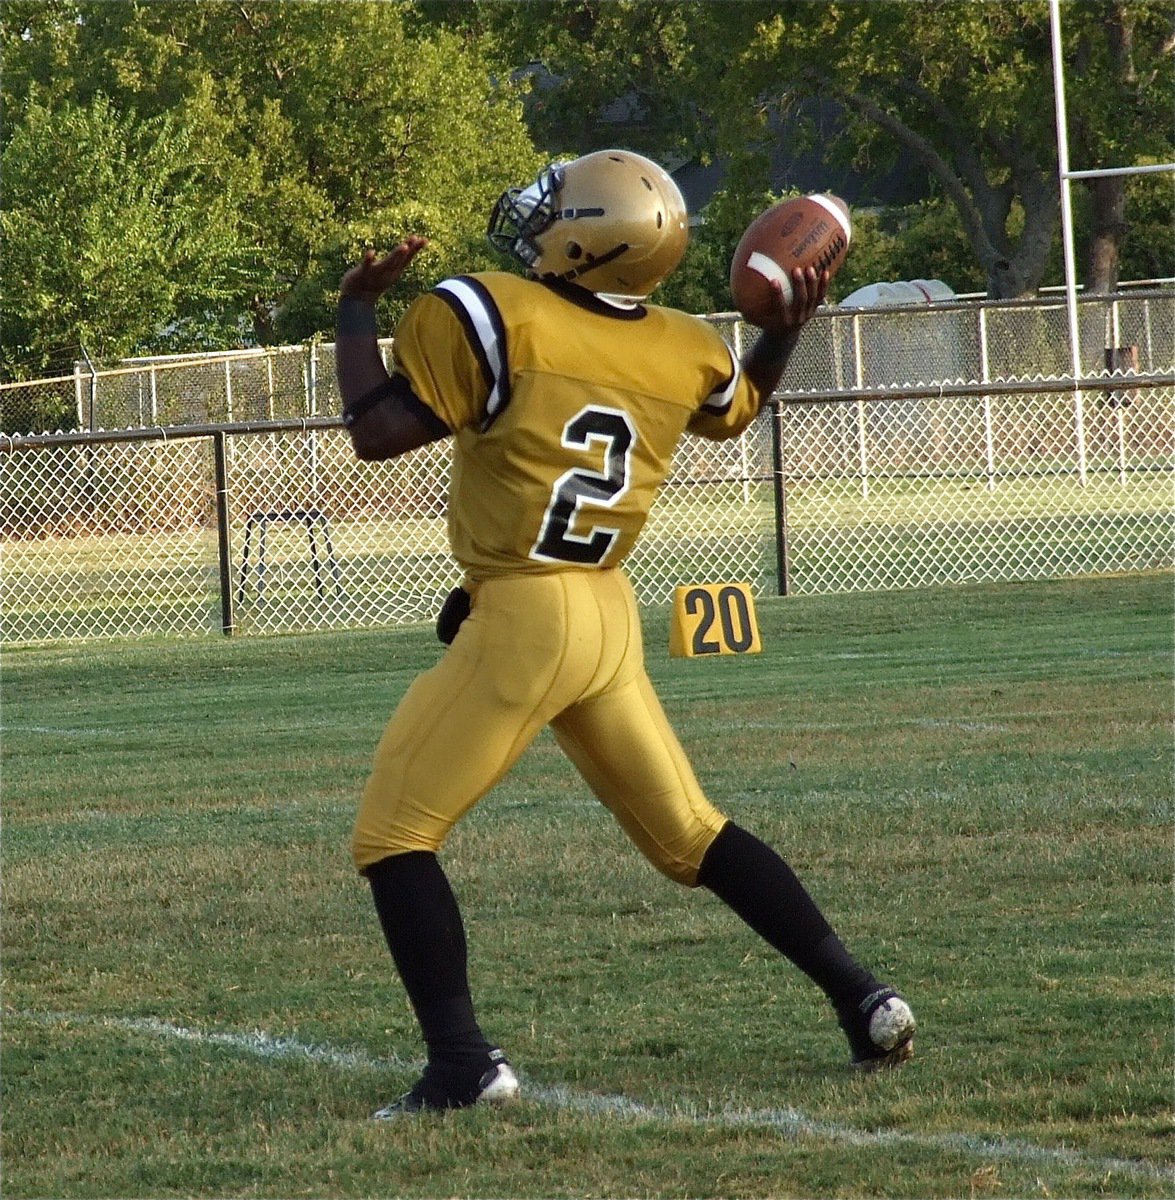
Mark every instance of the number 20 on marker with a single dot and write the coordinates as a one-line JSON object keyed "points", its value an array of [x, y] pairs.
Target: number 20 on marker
{"points": [[713, 618]]}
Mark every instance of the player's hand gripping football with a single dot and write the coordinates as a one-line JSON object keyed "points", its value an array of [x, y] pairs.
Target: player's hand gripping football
{"points": [[765, 361], [372, 276], [809, 288]]}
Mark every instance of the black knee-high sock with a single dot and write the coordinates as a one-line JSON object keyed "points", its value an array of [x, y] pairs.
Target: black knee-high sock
{"points": [[762, 889], [422, 925]]}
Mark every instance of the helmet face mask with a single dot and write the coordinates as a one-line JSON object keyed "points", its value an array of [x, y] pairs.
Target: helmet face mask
{"points": [[613, 222], [521, 214]]}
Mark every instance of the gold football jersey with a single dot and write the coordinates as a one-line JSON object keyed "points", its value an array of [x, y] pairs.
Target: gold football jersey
{"points": [[566, 412]]}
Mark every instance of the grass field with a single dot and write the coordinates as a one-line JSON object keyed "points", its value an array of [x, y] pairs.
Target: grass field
{"points": [[976, 783]]}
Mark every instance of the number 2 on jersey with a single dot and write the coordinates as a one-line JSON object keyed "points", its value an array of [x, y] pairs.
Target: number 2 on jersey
{"points": [[559, 541]]}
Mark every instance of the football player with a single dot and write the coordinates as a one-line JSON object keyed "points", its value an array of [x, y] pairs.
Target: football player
{"points": [[565, 393]]}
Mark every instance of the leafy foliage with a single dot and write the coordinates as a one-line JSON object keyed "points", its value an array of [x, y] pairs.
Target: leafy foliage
{"points": [[305, 131], [185, 175], [959, 92], [118, 233]]}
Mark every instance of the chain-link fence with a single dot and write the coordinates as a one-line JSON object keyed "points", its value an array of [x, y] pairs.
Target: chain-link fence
{"points": [[842, 350], [902, 457], [276, 383], [278, 527], [964, 485], [847, 350], [281, 528]]}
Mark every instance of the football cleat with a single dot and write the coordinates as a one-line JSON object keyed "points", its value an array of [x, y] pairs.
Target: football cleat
{"points": [[434, 1092], [612, 221], [880, 1031]]}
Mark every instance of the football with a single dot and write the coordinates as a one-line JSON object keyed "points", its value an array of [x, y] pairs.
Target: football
{"points": [[805, 231]]}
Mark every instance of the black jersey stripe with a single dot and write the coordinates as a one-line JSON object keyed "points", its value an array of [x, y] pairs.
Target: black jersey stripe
{"points": [[478, 313]]}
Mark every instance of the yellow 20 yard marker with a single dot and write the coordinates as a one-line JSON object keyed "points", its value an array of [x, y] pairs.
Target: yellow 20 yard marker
{"points": [[713, 618]]}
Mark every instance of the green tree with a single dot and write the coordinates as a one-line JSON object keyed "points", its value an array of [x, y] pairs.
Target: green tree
{"points": [[117, 236], [377, 129], [962, 91], [1148, 245], [329, 125], [1125, 51]]}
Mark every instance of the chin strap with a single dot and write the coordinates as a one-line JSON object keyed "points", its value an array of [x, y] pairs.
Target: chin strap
{"points": [[592, 264]]}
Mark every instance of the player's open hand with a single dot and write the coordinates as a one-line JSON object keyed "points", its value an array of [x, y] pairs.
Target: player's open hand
{"points": [[372, 276], [809, 288]]}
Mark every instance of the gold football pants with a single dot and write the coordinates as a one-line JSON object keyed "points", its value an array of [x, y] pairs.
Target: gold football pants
{"points": [[562, 649]]}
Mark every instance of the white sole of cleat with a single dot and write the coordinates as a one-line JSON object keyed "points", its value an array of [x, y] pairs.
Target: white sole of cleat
{"points": [[891, 1029], [503, 1087]]}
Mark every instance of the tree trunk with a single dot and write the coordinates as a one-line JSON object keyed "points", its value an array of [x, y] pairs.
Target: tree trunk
{"points": [[1108, 229], [1108, 195]]}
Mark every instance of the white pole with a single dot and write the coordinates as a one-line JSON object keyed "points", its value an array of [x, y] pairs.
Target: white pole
{"points": [[985, 376], [312, 376], [859, 380], [1067, 231]]}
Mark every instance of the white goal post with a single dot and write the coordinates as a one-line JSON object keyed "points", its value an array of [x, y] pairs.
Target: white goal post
{"points": [[1066, 178]]}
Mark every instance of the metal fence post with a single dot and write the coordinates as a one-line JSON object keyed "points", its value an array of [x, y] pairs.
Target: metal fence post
{"points": [[223, 535], [782, 554], [859, 383], [985, 377], [309, 381], [312, 433], [77, 394], [312, 377], [228, 389], [91, 415]]}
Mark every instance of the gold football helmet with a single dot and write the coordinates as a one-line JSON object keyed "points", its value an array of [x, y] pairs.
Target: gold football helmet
{"points": [[613, 222]]}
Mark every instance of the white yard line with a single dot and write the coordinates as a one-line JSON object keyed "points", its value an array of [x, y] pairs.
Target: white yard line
{"points": [[787, 1121], [58, 731]]}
